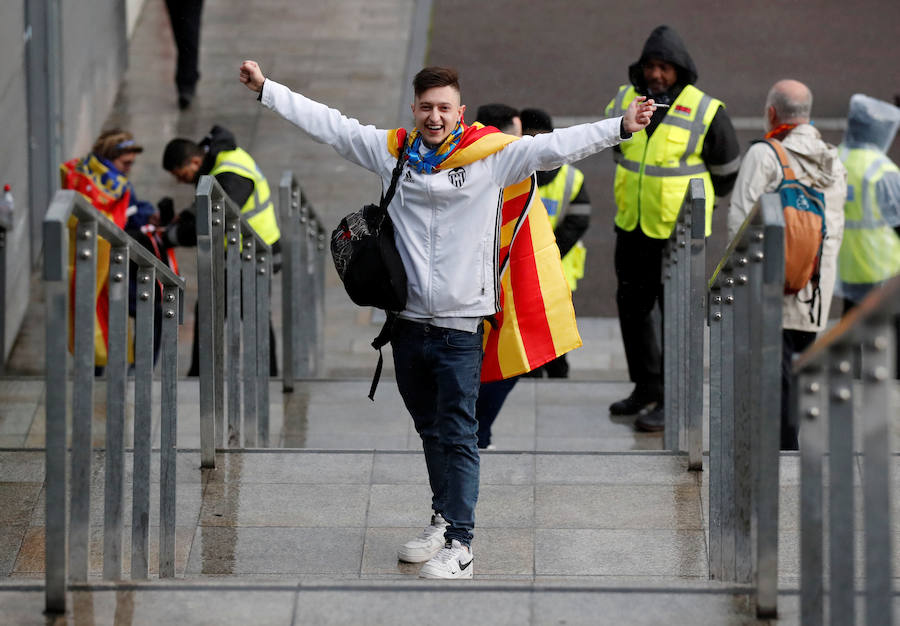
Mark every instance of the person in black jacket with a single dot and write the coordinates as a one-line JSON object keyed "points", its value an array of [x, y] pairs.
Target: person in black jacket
{"points": [[690, 136], [187, 161]]}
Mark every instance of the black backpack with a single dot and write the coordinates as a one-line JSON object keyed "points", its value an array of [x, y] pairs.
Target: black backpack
{"points": [[366, 257]]}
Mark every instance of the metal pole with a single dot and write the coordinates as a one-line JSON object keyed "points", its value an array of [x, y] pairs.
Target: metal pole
{"points": [[306, 311], [743, 425], [217, 224], [716, 460], [771, 255], [143, 419], [56, 288], [729, 486], [263, 321], [696, 320], [248, 326], [205, 326], [318, 357], [116, 376], [288, 204], [878, 362], [233, 287], [840, 497], [83, 396], [810, 403], [670, 359], [168, 431]]}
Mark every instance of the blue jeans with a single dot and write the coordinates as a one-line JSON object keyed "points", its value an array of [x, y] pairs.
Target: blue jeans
{"points": [[438, 372]]}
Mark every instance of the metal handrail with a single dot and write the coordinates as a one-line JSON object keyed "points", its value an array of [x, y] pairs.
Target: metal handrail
{"points": [[684, 305], [827, 422], [65, 557], [248, 260], [745, 302], [302, 283]]}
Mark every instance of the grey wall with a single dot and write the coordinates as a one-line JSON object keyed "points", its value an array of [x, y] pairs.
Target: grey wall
{"points": [[93, 44], [14, 163]]}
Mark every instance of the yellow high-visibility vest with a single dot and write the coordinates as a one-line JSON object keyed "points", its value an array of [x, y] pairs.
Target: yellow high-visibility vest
{"points": [[652, 173], [258, 209], [557, 195], [870, 250]]}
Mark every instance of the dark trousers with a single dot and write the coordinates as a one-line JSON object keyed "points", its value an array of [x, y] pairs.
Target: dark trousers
{"points": [[638, 264], [185, 18], [792, 342], [437, 371], [491, 397]]}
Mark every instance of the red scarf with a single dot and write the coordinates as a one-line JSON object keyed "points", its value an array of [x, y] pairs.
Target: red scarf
{"points": [[781, 131]]}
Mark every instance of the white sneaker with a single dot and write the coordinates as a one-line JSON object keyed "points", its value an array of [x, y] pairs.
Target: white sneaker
{"points": [[426, 545], [453, 561]]}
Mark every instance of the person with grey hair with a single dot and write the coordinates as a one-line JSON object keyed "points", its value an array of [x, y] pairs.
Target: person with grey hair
{"points": [[817, 164]]}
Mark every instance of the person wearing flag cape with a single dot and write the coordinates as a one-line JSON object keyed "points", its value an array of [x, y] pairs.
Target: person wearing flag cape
{"points": [[476, 245]]}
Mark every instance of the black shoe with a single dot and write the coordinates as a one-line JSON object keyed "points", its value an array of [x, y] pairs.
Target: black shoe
{"points": [[652, 422], [633, 404], [184, 100]]}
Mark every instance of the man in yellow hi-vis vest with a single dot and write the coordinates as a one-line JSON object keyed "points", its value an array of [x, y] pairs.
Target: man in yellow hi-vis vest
{"points": [[690, 137], [234, 169], [870, 250]]}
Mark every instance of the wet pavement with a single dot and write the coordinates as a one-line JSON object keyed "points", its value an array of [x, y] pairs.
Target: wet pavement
{"points": [[580, 520]]}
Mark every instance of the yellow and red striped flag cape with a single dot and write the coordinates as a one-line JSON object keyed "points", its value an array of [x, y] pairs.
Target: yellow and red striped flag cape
{"points": [[536, 323]]}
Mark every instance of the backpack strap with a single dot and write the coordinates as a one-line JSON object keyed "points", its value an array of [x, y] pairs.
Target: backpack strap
{"points": [[782, 158], [395, 176], [383, 338]]}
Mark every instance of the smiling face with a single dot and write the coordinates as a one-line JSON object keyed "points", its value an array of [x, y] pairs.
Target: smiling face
{"points": [[659, 75], [437, 112]]}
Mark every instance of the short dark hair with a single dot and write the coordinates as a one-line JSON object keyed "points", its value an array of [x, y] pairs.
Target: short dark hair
{"points": [[178, 151], [435, 76], [498, 115], [536, 120]]}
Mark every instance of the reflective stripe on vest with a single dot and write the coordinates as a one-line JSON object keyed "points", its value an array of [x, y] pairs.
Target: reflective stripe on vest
{"points": [[652, 174], [258, 209], [558, 195], [870, 250]]}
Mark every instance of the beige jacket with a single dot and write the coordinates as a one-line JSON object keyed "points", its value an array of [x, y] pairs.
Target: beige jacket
{"points": [[816, 163]]}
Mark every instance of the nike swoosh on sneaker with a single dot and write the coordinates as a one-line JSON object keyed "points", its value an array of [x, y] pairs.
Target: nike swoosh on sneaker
{"points": [[463, 568]]}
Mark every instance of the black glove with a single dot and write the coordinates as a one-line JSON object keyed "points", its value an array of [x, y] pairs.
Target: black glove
{"points": [[166, 208]]}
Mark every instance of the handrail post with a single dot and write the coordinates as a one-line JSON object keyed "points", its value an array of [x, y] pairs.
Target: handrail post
{"points": [[248, 328], [82, 396], [716, 460], [205, 330], [233, 314], [116, 379], [263, 273], [769, 253], [696, 324], [143, 419], [56, 473], [288, 203], [808, 396], [171, 318], [878, 363], [671, 358]]}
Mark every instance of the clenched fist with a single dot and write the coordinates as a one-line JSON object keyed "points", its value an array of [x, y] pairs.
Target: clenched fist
{"points": [[252, 76]]}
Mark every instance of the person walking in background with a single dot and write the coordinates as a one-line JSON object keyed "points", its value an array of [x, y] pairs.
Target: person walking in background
{"points": [[816, 164], [185, 17], [447, 212], [691, 137], [218, 155], [870, 251]]}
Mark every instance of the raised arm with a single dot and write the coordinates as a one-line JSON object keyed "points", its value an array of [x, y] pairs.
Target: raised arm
{"points": [[364, 145], [547, 151]]}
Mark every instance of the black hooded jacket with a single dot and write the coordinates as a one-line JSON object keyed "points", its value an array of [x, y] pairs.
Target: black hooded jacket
{"points": [[721, 150], [236, 186]]}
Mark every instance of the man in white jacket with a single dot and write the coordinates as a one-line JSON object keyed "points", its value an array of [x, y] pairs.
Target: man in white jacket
{"points": [[446, 224], [817, 164]]}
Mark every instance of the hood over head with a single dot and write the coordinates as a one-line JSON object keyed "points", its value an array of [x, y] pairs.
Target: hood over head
{"points": [[818, 160], [666, 45], [219, 138], [871, 123]]}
